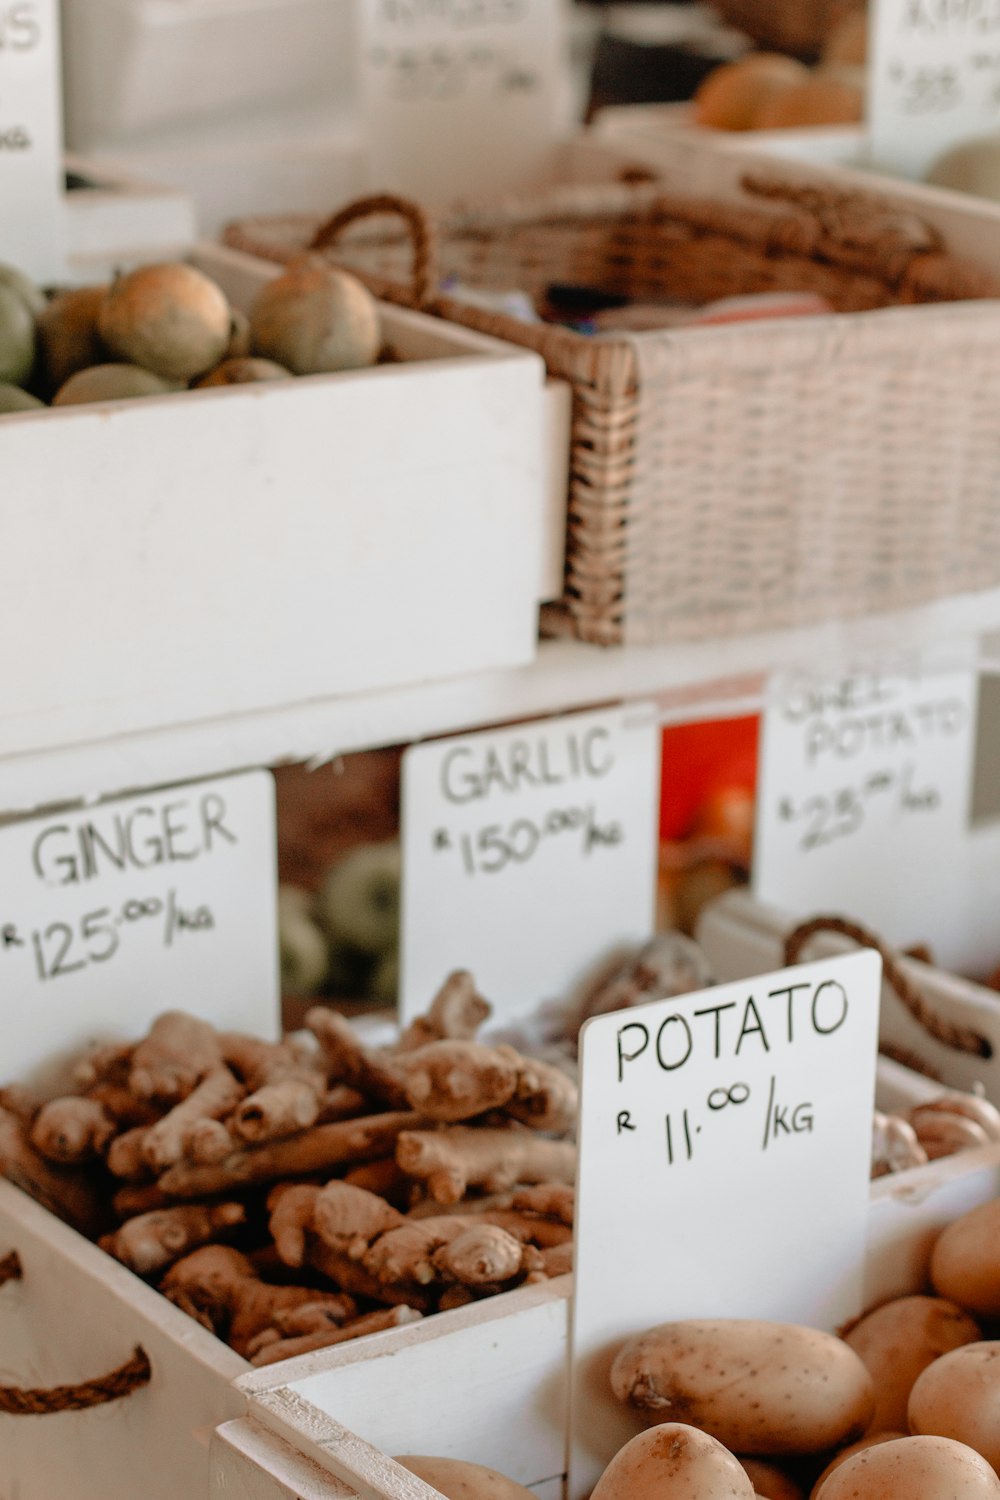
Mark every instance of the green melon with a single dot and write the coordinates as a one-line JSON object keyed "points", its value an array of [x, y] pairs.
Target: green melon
{"points": [[111, 383], [170, 319], [316, 320]]}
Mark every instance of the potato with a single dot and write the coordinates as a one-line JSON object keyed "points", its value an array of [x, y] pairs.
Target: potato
{"points": [[913, 1468], [899, 1340], [959, 1397], [760, 1388], [769, 1481], [964, 1262], [871, 1440], [464, 1481], [673, 1462]]}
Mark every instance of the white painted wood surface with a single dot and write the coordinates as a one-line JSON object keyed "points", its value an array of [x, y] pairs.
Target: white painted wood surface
{"points": [[741, 936], [327, 1422], [564, 675], [501, 1401], [276, 543], [76, 1314]]}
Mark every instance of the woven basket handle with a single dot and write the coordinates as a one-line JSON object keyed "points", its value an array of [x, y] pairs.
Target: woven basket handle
{"points": [[423, 237], [21, 1401], [959, 1038], [845, 225]]}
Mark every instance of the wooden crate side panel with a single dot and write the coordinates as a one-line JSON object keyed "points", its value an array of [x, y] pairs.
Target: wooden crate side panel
{"points": [[274, 543], [77, 1314], [462, 1389]]}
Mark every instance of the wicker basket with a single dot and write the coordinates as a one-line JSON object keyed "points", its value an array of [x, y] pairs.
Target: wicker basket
{"points": [[748, 477]]}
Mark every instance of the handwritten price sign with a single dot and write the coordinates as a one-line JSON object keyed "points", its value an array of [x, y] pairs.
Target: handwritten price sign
{"points": [[459, 96], [31, 174], [110, 915], [865, 780], [528, 854], [718, 1131], [935, 79]]}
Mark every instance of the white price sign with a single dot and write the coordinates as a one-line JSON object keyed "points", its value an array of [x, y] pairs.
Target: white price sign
{"points": [[725, 1149], [31, 170], [529, 855], [934, 79], [863, 801], [155, 902], [459, 96]]}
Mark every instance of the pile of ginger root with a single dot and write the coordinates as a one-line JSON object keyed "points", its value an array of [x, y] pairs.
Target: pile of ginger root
{"points": [[292, 1195]]}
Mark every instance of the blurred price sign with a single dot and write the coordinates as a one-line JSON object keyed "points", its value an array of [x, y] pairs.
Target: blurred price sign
{"points": [[725, 1150], [110, 915], [934, 78], [31, 171], [529, 855], [863, 799], [459, 96]]}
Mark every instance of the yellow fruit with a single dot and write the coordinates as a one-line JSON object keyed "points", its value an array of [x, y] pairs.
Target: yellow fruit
{"points": [[68, 334], [17, 337], [731, 96], [823, 100], [111, 383], [170, 319], [315, 320], [244, 371]]}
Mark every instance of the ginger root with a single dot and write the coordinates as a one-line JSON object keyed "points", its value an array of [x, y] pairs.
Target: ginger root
{"points": [[268, 1352], [178, 1051], [72, 1129], [223, 1286], [450, 1162], [151, 1241], [353, 1063], [455, 1014], [213, 1096], [455, 1080]]}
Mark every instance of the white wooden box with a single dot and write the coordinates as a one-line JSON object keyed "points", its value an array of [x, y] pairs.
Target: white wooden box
{"points": [[134, 66], [491, 1388], [211, 552], [116, 220], [742, 936]]}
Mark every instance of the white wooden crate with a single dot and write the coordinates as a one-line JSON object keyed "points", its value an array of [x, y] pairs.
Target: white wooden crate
{"points": [[742, 936], [320, 1427], [208, 552]]}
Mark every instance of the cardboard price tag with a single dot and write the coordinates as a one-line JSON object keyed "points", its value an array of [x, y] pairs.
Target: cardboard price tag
{"points": [[864, 780], [725, 1148], [934, 79], [459, 96], [156, 902], [529, 855], [31, 173]]}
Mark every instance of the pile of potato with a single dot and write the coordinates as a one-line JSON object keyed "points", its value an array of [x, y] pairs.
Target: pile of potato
{"points": [[169, 327], [904, 1406]]}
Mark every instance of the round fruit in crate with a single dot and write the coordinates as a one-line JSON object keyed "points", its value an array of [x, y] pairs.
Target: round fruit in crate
{"points": [[315, 320], [170, 319]]}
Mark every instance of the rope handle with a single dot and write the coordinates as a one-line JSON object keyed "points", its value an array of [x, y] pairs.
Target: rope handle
{"points": [[846, 225], [959, 1038], [423, 237], [21, 1401]]}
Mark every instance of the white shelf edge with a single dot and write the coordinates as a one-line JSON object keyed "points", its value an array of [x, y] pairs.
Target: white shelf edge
{"points": [[566, 675]]}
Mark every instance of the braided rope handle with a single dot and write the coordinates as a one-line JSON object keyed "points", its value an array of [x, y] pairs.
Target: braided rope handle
{"points": [[22, 1401], [846, 224], [959, 1038], [423, 237]]}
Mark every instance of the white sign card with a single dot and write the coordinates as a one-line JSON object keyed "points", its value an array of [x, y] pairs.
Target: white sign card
{"points": [[31, 169], [863, 800], [459, 96], [934, 79], [529, 855], [725, 1150], [112, 914]]}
